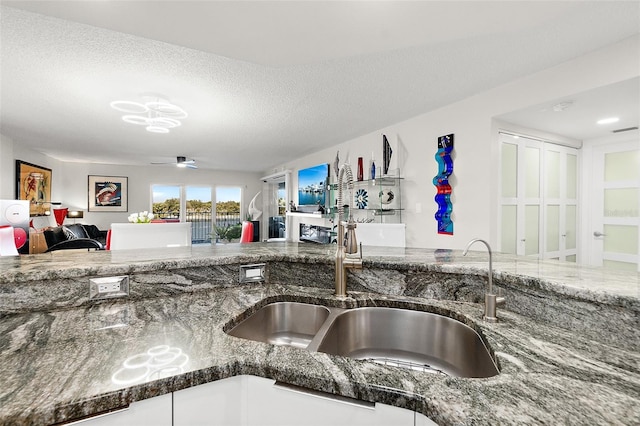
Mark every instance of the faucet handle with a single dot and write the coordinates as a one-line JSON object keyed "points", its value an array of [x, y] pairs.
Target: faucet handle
{"points": [[350, 240]]}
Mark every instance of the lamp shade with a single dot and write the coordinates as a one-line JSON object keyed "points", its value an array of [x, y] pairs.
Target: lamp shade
{"points": [[75, 214], [60, 214]]}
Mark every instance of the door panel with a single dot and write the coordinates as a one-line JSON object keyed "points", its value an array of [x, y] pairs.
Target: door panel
{"points": [[540, 182], [616, 212]]}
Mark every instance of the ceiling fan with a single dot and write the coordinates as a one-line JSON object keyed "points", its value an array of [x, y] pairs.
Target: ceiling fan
{"points": [[183, 162]]}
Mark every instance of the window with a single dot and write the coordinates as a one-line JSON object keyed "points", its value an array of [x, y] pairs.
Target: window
{"points": [[199, 212], [166, 201], [168, 205], [228, 220]]}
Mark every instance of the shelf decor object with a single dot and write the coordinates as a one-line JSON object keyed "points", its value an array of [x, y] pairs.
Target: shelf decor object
{"points": [[441, 182], [362, 198], [386, 154]]}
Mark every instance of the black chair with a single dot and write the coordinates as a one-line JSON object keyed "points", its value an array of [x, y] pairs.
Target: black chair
{"points": [[76, 236]]}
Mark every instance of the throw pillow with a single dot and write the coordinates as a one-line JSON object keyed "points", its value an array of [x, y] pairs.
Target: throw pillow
{"points": [[74, 231]]}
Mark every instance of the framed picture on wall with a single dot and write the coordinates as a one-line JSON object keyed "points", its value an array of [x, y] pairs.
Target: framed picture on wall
{"points": [[34, 185], [108, 194]]}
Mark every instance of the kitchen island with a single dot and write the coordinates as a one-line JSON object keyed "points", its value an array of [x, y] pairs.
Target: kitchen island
{"points": [[567, 343]]}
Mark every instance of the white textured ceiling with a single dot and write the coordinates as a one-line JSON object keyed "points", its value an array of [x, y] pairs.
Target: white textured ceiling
{"points": [[583, 110], [265, 82]]}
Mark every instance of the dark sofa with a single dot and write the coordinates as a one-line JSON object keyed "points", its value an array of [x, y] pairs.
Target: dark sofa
{"points": [[76, 236]]}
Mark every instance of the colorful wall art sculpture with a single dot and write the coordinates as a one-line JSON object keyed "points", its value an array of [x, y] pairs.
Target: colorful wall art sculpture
{"points": [[441, 181]]}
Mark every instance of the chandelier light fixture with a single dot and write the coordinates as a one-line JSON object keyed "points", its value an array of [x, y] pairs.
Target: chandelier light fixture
{"points": [[158, 116]]}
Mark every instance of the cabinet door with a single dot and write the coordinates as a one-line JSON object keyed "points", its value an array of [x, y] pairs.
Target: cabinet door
{"points": [[222, 402], [276, 405], [422, 420], [256, 401], [149, 412]]}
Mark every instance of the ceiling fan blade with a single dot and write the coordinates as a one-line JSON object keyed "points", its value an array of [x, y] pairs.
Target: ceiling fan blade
{"points": [[181, 162]]}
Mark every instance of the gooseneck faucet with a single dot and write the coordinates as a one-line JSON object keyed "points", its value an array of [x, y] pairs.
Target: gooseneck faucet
{"points": [[491, 300], [347, 244]]}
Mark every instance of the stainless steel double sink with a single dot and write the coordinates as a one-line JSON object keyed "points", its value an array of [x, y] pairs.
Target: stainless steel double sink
{"points": [[392, 336]]}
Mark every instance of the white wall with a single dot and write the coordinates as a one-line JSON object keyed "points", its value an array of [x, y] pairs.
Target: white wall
{"points": [[140, 179], [7, 169], [475, 177], [15, 151], [70, 181]]}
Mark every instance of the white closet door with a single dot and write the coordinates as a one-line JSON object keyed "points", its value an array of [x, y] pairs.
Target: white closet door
{"points": [[521, 187], [616, 211], [539, 206]]}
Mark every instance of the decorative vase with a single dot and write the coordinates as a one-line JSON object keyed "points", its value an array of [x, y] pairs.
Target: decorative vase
{"points": [[360, 169]]}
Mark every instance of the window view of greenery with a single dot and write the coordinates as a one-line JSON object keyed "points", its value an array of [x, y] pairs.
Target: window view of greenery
{"points": [[198, 211], [228, 225]]}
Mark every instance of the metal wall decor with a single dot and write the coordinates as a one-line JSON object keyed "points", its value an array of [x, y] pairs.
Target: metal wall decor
{"points": [[441, 181]]}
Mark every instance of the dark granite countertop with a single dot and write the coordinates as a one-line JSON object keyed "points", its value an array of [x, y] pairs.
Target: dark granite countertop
{"points": [[59, 364], [564, 277]]}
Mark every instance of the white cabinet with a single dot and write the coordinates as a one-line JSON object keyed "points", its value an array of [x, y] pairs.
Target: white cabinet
{"points": [[222, 402], [149, 412], [256, 401], [272, 405], [422, 420]]}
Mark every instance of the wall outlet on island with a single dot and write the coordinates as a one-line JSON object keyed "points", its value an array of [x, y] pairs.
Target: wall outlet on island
{"points": [[109, 287]]}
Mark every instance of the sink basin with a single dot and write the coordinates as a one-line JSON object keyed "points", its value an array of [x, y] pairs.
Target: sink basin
{"points": [[397, 337], [283, 323], [411, 339]]}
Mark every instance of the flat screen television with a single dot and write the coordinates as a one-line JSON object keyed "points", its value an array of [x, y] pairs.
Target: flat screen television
{"points": [[312, 188]]}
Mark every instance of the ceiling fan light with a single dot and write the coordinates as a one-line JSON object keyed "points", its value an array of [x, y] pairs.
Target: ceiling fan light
{"points": [[157, 129], [169, 123], [166, 109], [136, 119], [158, 117], [129, 107]]}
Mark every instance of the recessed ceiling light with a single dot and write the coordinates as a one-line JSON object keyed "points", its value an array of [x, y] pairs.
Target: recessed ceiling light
{"points": [[561, 106], [608, 120]]}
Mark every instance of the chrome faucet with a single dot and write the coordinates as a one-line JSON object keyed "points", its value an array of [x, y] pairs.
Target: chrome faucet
{"points": [[491, 300], [347, 244]]}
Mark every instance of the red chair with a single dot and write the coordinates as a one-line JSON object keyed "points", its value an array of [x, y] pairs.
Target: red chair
{"points": [[247, 232]]}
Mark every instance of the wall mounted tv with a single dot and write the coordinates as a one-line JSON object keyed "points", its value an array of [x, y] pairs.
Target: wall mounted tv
{"points": [[312, 188]]}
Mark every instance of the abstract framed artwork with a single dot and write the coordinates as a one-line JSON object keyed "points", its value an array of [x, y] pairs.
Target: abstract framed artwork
{"points": [[33, 183], [108, 194]]}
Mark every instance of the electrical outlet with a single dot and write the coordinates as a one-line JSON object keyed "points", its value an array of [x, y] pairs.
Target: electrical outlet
{"points": [[109, 287], [252, 273]]}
